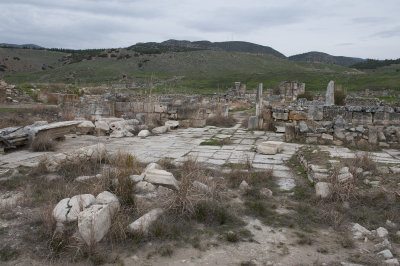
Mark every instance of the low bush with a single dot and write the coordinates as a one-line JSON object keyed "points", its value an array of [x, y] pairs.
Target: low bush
{"points": [[221, 121], [43, 143]]}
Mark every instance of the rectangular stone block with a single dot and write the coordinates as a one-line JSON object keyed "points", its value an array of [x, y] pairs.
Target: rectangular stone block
{"points": [[315, 113], [123, 107], [361, 118], [280, 116], [160, 108], [148, 107], [394, 118], [138, 107], [253, 123], [297, 115], [381, 118]]}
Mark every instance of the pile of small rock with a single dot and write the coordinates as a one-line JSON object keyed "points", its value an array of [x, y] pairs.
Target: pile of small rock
{"points": [[380, 236]]}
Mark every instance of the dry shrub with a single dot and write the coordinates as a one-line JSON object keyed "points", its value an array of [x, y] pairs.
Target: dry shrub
{"points": [[332, 216], [43, 143], [188, 195], [221, 121], [342, 190], [97, 91], [363, 160], [120, 221]]}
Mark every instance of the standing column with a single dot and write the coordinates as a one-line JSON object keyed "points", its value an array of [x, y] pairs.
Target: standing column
{"points": [[259, 101]]}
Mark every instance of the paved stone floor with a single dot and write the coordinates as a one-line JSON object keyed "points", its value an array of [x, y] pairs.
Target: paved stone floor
{"points": [[181, 144]]}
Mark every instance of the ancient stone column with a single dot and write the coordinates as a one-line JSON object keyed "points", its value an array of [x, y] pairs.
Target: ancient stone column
{"points": [[330, 94], [225, 110], [259, 99], [253, 123]]}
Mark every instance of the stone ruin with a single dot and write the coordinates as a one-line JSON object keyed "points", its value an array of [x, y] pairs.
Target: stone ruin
{"points": [[361, 122]]}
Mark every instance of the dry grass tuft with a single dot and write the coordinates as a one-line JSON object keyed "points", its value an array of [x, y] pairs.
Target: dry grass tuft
{"points": [[342, 190], [195, 186], [221, 121], [363, 160], [43, 143]]}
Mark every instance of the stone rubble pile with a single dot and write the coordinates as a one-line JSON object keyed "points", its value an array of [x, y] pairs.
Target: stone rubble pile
{"points": [[383, 248]]}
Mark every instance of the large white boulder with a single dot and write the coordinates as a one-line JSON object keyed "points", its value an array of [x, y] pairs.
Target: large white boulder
{"points": [[143, 223], [161, 177], [77, 204], [144, 187], [359, 231], [382, 232], [94, 223], [108, 198], [172, 124], [159, 130], [152, 166], [270, 147], [68, 209], [102, 126], [323, 189], [144, 133]]}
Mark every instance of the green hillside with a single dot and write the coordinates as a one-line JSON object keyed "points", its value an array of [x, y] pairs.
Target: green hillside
{"points": [[195, 71]]}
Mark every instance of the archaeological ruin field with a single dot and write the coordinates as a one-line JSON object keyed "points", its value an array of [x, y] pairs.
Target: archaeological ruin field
{"points": [[136, 156]]}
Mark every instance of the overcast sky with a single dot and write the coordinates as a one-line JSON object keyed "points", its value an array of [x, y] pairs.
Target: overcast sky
{"points": [[359, 28]]}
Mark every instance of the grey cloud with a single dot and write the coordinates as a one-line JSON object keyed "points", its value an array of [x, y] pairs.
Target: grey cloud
{"points": [[245, 19], [370, 20], [394, 32]]}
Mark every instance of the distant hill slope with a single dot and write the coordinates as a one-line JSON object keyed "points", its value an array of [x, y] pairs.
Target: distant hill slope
{"points": [[325, 58], [27, 46], [374, 64], [17, 60], [179, 67], [184, 46]]}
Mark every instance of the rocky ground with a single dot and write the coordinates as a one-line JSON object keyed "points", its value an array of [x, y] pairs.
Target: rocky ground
{"points": [[272, 218]]}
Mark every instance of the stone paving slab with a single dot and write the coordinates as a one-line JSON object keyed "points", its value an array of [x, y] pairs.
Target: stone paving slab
{"points": [[183, 144]]}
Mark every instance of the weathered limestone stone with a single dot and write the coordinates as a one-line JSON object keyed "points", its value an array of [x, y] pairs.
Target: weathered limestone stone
{"points": [[198, 122], [87, 177], [280, 116], [328, 137], [108, 198], [144, 187], [143, 224], [259, 101], [94, 223], [362, 118], [323, 189], [330, 94], [303, 126], [159, 130], [102, 126], [85, 127], [172, 124], [95, 152], [315, 113], [290, 133], [382, 232], [225, 110], [297, 115], [270, 147], [68, 209], [253, 123], [392, 262], [359, 231], [152, 166], [243, 186], [161, 177], [387, 254], [144, 133], [373, 135]]}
